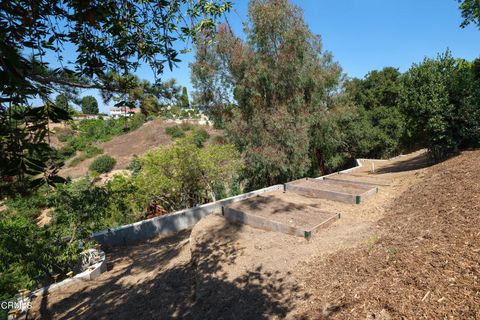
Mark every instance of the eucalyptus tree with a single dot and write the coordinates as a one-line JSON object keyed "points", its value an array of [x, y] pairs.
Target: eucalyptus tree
{"points": [[283, 85]]}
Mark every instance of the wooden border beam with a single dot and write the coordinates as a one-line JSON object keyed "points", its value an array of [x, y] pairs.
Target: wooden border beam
{"points": [[255, 221]]}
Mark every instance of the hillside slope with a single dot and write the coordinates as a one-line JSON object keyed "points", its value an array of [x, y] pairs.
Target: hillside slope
{"points": [[426, 264], [411, 252], [122, 148]]}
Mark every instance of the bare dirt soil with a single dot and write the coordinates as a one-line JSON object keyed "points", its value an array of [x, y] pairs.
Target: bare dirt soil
{"points": [[151, 280], [411, 251], [122, 148], [425, 264], [341, 186], [44, 217], [275, 209]]}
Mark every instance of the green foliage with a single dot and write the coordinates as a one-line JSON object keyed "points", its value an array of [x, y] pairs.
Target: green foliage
{"points": [[61, 101], [75, 161], [89, 151], [183, 175], [282, 80], [89, 105], [175, 132], [199, 136], [30, 255], [64, 137], [379, 88], [135, 165], [184, 103], [28, 207], [377, 97], [389, 129], [211, 75], [441, 99], [136, 121], [26, 159], [123, 205], [470, 12], [79, 209], [101, 130], [66, 152], [103, 164], [426, 101]]}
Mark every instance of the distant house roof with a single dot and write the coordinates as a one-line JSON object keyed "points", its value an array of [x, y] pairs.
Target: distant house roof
{"points": [[125, 109]]}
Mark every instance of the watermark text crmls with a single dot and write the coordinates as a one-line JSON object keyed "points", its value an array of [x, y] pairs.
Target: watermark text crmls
{"points": [[21, 305]]}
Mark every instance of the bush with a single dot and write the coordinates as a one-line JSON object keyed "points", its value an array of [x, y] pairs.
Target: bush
{"points": [[103, 164], [66, 152], [92, 151], [219, 140], [135, 165], [89, 152], [182, 175], [175, 132], [136, 121], [186, 126], [200, 136], [64, 137]]}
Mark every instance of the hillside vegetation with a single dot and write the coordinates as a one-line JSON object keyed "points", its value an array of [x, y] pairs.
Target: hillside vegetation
{"points": [[122, 147]]}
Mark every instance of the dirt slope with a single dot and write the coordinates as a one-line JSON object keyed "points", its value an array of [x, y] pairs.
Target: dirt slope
{"points": [[122, 148], [426, 264]]}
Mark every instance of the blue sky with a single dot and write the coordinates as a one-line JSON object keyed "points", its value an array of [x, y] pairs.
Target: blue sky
{"points": [[369, 34]]}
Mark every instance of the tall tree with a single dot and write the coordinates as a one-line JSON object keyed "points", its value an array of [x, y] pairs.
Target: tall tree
{"points": [[61, 101], [211, 76], [89, 105], [378, 88], [283, 81], [184, 102], [377, 98], [437, 102]]}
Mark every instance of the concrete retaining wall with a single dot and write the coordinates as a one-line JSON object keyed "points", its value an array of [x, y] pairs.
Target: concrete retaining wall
{"points": [[168, 224]]}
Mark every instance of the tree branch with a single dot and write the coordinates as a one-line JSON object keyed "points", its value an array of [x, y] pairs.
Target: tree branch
{"points": [[64, 82]]}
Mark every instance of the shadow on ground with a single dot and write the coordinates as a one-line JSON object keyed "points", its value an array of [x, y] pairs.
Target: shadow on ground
{"points": [[419, 162], [143, 283]]}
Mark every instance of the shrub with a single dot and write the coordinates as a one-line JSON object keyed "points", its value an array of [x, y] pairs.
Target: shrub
{"points": [[219, 140], [135, 165], [66, 152], [175, 132], [64, 137], [182, 175], [200, 136], [103, 164], [78, 143], [89, 152], [186, 126], [92, 151], [136, 121]]}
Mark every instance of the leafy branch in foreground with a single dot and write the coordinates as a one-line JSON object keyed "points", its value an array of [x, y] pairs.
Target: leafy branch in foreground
{"points": [[107, 36]]}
